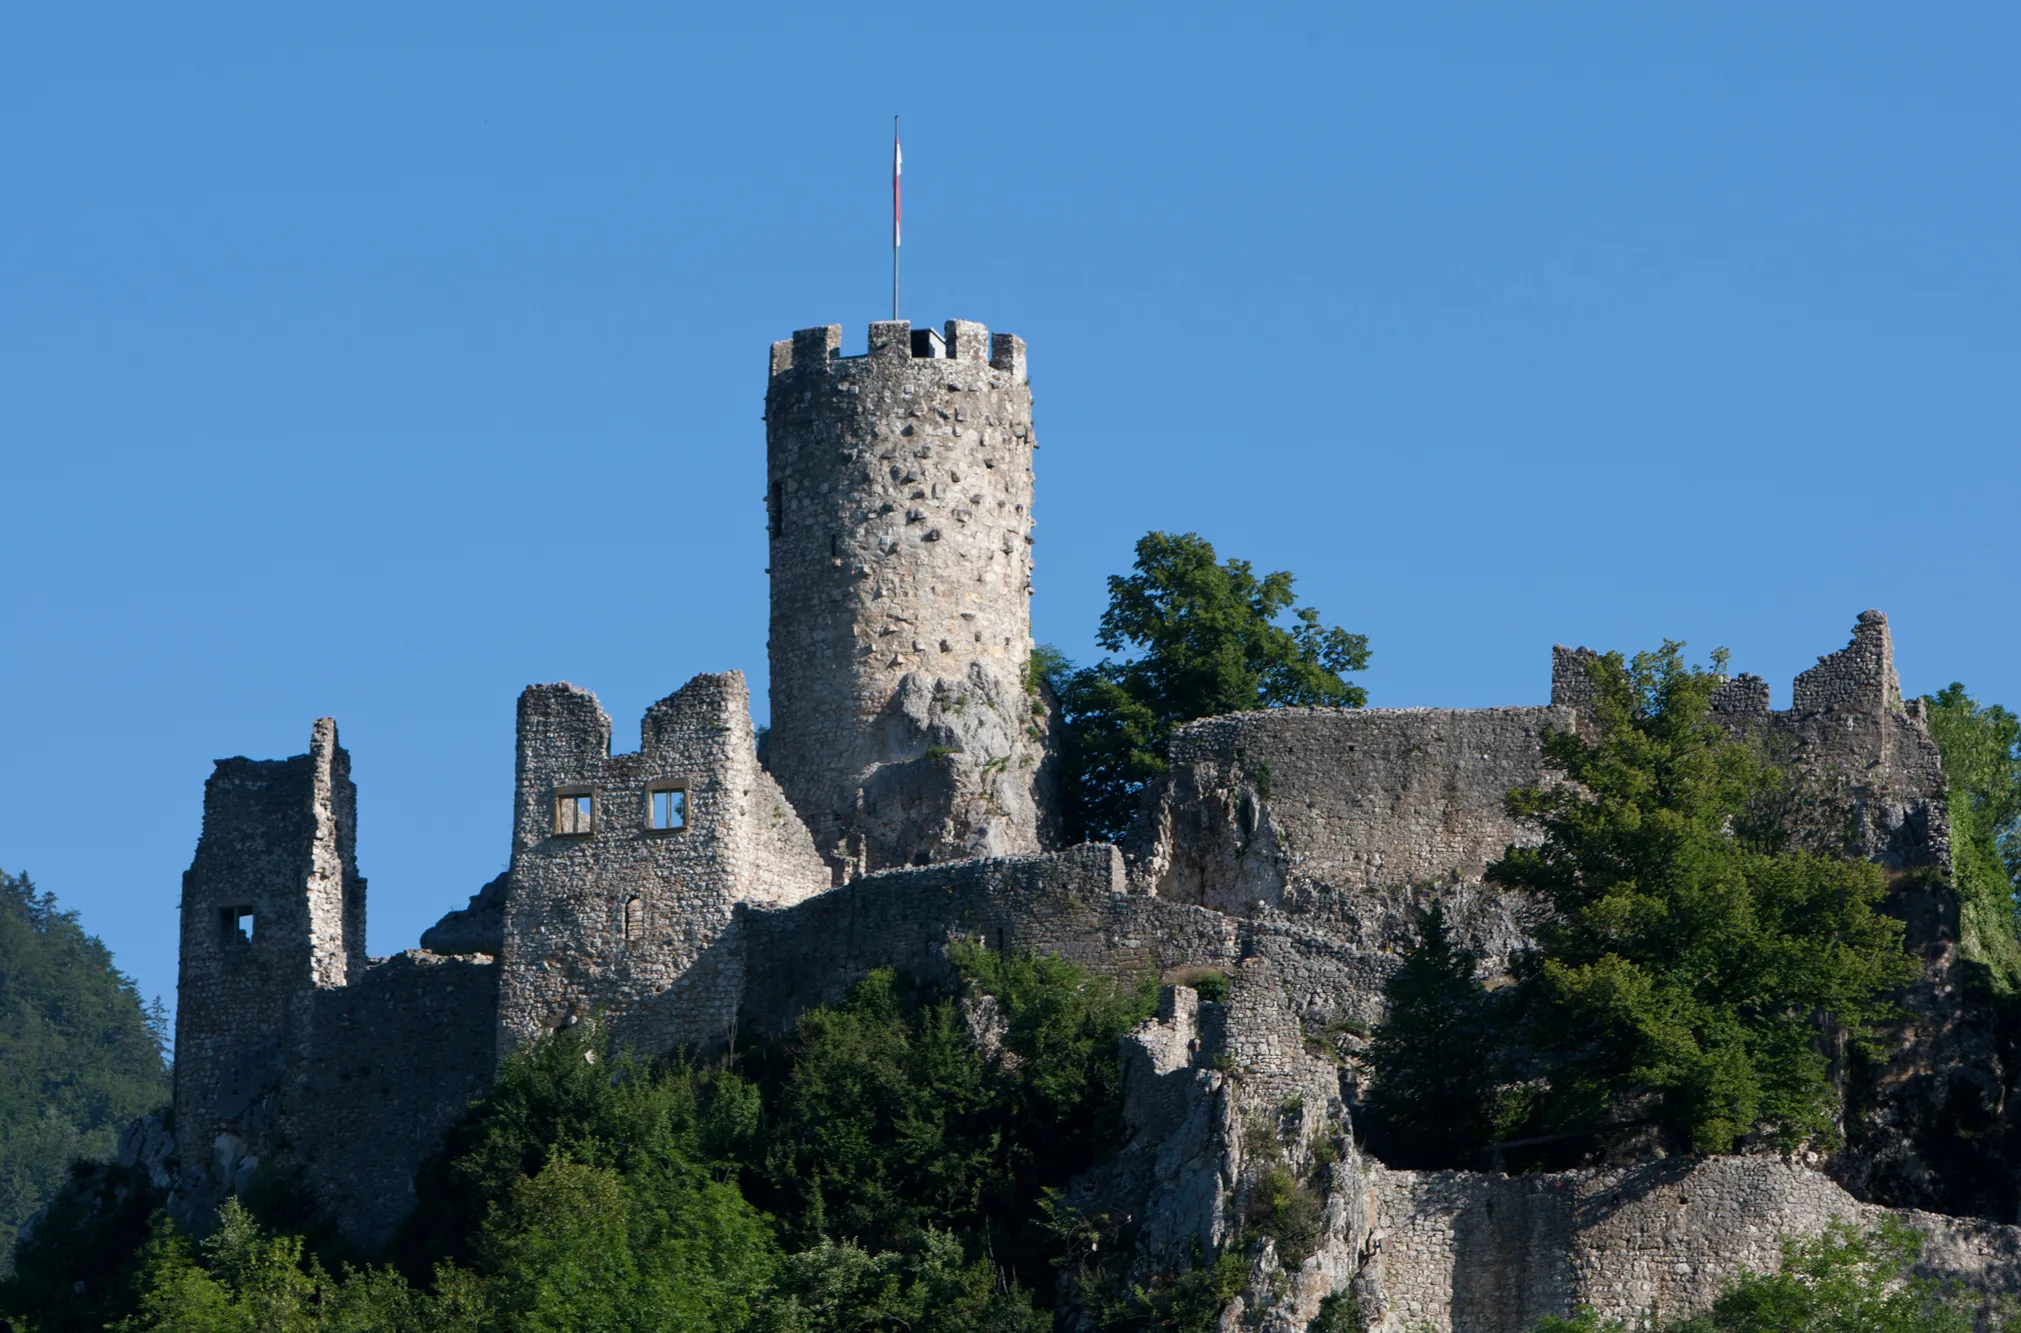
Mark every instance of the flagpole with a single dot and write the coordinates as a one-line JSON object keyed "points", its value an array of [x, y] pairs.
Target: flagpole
{"points": [[897, 169]]}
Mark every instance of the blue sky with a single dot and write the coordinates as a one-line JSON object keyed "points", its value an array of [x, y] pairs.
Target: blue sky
{"points": [[378, 361]]}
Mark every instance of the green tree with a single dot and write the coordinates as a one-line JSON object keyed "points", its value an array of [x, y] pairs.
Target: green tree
{"points": [[1206, 637], [81, 1054], [1436, 1095], [1981, 745], [567, 1096], [244, 1279], [583, 1249], [75, 1272], [930, 1288], [890, 1121], [1695, 959]]}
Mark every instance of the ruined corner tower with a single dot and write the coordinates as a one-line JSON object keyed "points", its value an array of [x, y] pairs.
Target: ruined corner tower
{"points": [[899, 499], [273, 913]]}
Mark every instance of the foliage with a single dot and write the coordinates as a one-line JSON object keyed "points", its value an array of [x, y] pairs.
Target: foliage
{"points": [[672, 1125], [1206, 639], [930, 1288], [660, 1247], [594, 1192], [243, 1279], [83, 1056], [1212, 987], [1188, 1302], [891, 1121], [1436, 1062], [1289, 1212], [1844, 1281], [1693, 956], [1338, 1313], [1982, 766], [74, 1272]]}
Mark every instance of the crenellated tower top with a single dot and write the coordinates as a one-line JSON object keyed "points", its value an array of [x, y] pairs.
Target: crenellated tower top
{"points": [[899, 503]]}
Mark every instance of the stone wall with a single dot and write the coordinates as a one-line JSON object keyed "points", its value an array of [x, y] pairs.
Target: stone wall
{"points": [[899, 495], [1076, 904], [1476, 1253], [1848, 729], [1860, 747], [273, 912], [1217, 1094], [624, 920], [398, 1054], [1347, 816]]}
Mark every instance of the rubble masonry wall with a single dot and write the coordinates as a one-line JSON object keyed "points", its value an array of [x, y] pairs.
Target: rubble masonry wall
{"points": [[899, 500]]}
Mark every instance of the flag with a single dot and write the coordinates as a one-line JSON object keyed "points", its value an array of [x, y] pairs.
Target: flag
{"points": [[897, 167]]}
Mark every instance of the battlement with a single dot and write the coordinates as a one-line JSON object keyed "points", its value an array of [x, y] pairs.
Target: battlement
{"points": [[1858, 678], [899, 499], [896, 339]]}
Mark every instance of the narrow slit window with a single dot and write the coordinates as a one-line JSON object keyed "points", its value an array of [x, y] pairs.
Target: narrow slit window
{"points": [[669, 809], [574, 812], [235, 926], [635, 919]]}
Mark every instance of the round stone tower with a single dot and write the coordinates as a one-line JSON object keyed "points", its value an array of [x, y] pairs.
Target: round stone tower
{"points": [[899, 498]]}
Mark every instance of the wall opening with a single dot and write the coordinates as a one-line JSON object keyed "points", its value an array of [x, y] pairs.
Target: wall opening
{"points": [[574, 813], [635, 919], [235, 927], [667, 809]]}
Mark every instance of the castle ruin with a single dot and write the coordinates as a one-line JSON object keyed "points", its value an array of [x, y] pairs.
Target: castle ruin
{"points": [[904, 798]]}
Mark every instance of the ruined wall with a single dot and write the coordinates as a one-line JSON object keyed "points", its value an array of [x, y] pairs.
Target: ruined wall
{"points": [[398, 1054], [277, 854], [1477, 1253], [1848, 728], [899, 499], [1352, 817], [1344, 815], [1075, 904], [1216, 1095], [624, 920]]}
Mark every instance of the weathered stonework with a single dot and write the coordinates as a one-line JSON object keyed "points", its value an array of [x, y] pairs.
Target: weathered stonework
{"points": [[1478, 1253], [396, 1057], [293, 1050], [685, 898], [273, 911], [899, 501], [621, 919], [1348, 815]]}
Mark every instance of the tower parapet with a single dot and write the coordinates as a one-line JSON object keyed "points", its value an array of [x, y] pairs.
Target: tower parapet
{"points": [[899, 500]]}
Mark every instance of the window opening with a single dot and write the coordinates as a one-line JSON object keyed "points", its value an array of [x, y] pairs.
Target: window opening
{"points": [[669, 809], [574, 812], [235, 926], [635, 919]]}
